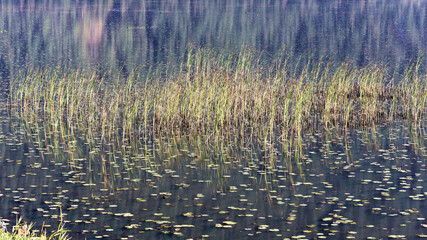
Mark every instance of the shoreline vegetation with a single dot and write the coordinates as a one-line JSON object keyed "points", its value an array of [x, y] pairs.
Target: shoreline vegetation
{"points": [[23, 231], [215, 94]]}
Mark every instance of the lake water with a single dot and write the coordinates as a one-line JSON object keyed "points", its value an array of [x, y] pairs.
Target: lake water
{"points": [[369, 183], [128, 33]]}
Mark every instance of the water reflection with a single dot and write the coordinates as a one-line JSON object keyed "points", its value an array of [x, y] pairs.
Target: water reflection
{"points": [[185, 186], [129, 33]]}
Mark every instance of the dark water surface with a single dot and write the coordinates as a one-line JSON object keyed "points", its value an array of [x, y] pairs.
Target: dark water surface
{"points": [[369, 184]]}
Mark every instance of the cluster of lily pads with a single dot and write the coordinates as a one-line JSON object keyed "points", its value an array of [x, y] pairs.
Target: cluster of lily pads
{"points": [[184, 187]]}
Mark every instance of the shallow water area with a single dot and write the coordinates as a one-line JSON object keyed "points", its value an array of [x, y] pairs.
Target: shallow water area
{"points": [[367, 184]]}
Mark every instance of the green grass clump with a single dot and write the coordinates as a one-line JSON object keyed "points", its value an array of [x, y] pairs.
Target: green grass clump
{"points": [[23, 231], [214, 93]]}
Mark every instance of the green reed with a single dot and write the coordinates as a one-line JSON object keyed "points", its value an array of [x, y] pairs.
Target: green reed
{"points": [[213, 93], [23, 231]]}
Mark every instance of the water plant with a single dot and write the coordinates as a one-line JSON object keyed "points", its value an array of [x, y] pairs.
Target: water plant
{"points": [[294, 175], [23, 231], [214, 94]]}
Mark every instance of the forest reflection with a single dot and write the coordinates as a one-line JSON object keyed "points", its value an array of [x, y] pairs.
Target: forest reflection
{"points": [[125, 34]]}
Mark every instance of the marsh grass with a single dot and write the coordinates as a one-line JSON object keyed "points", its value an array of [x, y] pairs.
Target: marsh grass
{"points": [[215, 99], [215, 94], [23, 231]]}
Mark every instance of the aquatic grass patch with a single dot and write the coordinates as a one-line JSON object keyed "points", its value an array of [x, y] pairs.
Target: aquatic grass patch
{"points": [[23, 231], [215, 94]]}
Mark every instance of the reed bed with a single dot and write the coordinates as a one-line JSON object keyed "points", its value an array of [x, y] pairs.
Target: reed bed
{"points": [[213, 94]]}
